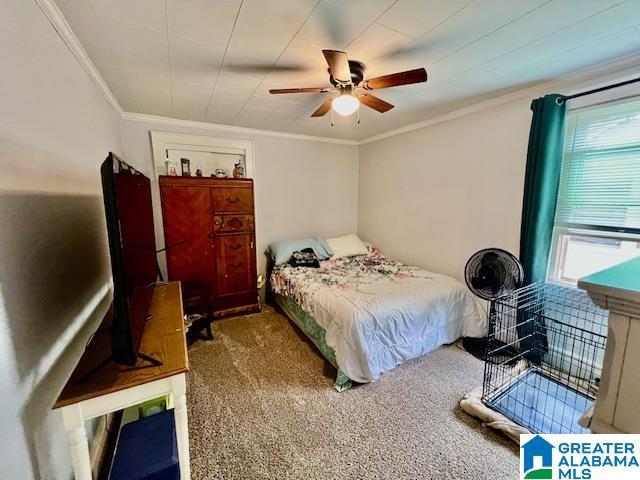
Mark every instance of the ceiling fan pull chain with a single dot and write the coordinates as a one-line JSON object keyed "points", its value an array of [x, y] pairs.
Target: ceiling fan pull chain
{"points": [[332, 117], [358, 113]]}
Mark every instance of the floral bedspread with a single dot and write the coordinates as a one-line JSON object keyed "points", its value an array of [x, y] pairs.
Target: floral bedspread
{"points": [[379, 313]]}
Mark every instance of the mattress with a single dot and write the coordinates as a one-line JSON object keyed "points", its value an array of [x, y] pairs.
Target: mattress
{"points": [[378, 313]]}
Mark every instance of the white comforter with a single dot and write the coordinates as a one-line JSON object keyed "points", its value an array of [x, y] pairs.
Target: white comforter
{"points": [[378, 313]]}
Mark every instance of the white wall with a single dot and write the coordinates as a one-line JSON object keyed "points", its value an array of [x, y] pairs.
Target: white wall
{"points": [[55, 129], [434, 196], [302, 187]]}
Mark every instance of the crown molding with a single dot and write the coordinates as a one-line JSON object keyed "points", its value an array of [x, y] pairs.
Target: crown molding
{"points": [[620, 69], [59, 23], [174, 122], [589, 77]]}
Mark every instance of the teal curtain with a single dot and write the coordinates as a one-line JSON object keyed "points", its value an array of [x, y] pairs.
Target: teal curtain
{"points": [[542, 178]]}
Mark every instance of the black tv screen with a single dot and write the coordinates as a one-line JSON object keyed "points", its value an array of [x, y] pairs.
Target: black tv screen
{"points": [[132, 245]]}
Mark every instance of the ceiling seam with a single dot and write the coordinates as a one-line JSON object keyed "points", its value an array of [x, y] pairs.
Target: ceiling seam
{"points": [[62, 28], [111, 50], [375, 20], [533, 41], [424, 34], [629, 25], [482, 36], [589, 74], [432, 28], [224, 56], [495, 30], [275, 62], [397, 31], [619, 68], [113, 55]]}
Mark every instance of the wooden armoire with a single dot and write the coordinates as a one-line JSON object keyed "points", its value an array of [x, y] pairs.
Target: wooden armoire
{"points": [[210, 238]]}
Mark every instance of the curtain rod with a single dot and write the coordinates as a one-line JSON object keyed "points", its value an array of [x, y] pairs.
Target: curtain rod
{"points": [[564, 98]]}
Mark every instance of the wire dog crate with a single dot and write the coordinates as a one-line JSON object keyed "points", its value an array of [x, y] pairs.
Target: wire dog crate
{"points": [[544, 357]]}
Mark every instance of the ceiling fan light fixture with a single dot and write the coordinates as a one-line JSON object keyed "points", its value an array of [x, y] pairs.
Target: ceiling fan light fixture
{"points": [[345, 105]]}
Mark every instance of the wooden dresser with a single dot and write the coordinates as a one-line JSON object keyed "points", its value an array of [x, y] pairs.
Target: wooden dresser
{"points": [[210, 238]]}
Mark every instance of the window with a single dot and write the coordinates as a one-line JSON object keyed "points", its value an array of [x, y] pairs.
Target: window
{"points": [[597, 222]]}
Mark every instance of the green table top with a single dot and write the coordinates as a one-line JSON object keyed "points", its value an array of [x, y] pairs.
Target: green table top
{"points": [[623, 278]]}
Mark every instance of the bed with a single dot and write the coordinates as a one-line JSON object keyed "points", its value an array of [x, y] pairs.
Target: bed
{"points": [[368, 314]]}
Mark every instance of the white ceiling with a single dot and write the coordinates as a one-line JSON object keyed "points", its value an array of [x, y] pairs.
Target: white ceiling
{"points": [[190, 59]]}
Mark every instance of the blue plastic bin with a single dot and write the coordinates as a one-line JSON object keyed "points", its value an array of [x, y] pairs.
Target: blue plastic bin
{"points": [[147, 450]]}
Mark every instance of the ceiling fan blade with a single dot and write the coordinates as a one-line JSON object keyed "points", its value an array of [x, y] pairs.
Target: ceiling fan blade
{"points": [[375, 103], [257, 68], [338, 65], [413, 51], [323, 109], [300, 90], [396, 79]]}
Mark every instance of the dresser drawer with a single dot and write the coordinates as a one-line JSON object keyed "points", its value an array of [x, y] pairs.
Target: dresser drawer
{"points": [[232, 283], [235, 253], [237, 262], [232, 199], [233, 223], [234, 245]]}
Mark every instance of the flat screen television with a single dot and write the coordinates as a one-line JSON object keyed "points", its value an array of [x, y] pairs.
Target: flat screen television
{"points": [[132, 245]]}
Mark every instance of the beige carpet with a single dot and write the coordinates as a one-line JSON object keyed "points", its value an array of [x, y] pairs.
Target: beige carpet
{"points": [[262, 406]]}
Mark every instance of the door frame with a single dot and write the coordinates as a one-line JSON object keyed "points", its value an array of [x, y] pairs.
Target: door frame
{"points": [[163, 141]]}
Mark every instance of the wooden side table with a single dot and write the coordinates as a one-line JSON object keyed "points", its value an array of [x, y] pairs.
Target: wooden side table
{"points": [[116, 387]]}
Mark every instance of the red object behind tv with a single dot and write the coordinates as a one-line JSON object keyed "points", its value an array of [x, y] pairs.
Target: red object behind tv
{"points": [[129, 212]]}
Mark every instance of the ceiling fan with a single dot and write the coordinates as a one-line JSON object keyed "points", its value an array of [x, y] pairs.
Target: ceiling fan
{"points": [[347, 78]]}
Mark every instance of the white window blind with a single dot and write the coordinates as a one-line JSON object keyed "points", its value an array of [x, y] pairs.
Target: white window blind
{"points": [[600, 178]]}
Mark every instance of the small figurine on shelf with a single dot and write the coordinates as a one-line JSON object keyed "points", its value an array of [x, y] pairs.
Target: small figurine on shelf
{"points": [[199, 171], [185, 163], [172, 169], [220, 173], [238, 170]]}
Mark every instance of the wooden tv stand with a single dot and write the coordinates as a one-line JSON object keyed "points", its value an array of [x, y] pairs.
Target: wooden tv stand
{"points": [[115, 387]]}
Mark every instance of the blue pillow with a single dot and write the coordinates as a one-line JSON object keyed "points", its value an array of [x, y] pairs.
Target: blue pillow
{"points": [[282, 250]]}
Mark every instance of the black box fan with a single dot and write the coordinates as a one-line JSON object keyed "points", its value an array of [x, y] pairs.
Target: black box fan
{"points": [[490, 274]]}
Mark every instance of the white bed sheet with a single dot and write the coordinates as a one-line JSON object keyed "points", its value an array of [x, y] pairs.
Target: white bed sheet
{"points": [[378, 313]]}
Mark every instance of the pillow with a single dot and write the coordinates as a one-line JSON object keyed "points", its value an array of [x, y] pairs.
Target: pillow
{"points": [[347, 246], [282, 250], [304, 258]]}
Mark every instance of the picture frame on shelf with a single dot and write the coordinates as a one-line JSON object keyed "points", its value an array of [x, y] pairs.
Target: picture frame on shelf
{"points": [[172, 169], [185, 167]]}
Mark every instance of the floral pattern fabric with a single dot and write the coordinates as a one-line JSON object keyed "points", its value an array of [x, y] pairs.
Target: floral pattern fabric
{"points": [[377, 312], [344, 274]]}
